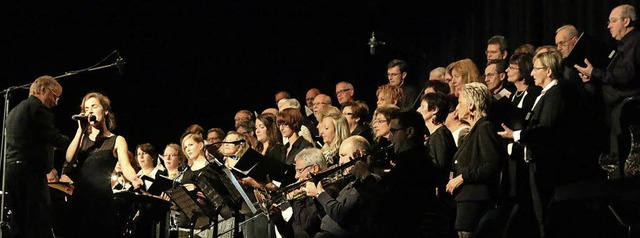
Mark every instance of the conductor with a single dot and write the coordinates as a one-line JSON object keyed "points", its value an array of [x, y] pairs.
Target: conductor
{"points": [[31, 139]]}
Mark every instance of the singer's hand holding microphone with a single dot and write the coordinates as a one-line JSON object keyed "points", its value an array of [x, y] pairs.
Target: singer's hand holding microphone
{"points": [[82, 117]]}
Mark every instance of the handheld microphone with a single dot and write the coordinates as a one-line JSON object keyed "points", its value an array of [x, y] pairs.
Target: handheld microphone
{"points": [[79, 117], [120, 64]]}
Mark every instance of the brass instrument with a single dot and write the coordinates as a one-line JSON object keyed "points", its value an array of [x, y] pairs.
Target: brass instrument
{"points": [[294, 191]]}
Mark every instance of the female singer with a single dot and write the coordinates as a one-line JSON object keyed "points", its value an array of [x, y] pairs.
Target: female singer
{"points": [[477, 162], [334, 129], [146, 156], [173, 160], [97, 150]]}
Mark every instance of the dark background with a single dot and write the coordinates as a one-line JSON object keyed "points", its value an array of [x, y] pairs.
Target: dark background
{"points": [[201, 61]]}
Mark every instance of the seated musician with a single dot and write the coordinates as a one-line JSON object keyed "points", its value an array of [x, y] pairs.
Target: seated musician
{"points": [[347, 215], [305, 221]]}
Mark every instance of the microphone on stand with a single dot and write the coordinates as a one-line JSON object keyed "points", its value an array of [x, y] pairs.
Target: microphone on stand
{"points": [[120, 64], [238, 142], [79, 117], [373, 43]]}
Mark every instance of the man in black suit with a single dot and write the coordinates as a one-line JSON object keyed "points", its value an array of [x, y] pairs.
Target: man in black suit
{"points": [[402, 212], [620, 79], [31, 138]]}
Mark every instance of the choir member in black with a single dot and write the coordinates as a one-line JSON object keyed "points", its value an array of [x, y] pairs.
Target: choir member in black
{"points": [[401, 209], [305, 221], [289, 122], [348, 215], [516, 178], [31, 138], [558, 148], [620, 79], [97, 150], [434, 108], [477, 162], [357, 114]]}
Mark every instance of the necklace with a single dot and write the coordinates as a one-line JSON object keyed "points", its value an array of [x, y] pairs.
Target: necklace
{"points": [[519, 93]]}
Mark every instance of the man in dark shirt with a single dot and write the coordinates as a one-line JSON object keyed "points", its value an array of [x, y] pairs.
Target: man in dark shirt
{"points": [[305, 220], [348, 215], [408, 189], [397, 73], [31, 138], [621, 78]]}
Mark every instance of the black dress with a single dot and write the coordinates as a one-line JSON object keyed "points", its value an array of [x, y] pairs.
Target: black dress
{"points": [[92, 198]]}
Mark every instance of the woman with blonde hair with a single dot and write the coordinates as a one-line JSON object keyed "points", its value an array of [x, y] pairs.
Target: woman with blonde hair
{"points": [[463, 72], [389, 94], [478, 161], [333, 129]]}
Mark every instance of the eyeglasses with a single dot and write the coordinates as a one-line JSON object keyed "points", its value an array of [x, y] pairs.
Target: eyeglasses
{"points": [[392, 74], [395, 130], [562, 42], [301, 170], [379, 122], [343, 91], [55, 95], [513, 68], [491, 75], [614, 20]]}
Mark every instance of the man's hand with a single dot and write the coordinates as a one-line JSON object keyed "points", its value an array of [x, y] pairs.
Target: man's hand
{"points": [[585, 72]]}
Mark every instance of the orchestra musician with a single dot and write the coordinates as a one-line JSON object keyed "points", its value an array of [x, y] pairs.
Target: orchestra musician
{"points": [[305, 221], [349, 214]]}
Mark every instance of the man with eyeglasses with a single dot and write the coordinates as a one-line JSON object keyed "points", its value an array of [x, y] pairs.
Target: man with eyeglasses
{"points": [[31, 139], [620, 79], [402, 213], [305, 220], [397, 73], [344, 92], [496, 48], [319, 102]]}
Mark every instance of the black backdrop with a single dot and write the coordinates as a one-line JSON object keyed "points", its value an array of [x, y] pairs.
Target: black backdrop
{"points": [[201, 61]]}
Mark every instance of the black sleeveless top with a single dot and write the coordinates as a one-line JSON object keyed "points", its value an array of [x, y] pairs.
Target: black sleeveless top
{"points": [[92, 197]]}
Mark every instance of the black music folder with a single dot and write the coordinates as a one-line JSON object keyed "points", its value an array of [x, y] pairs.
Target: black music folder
{"points": [[157, 185], [249, 166], [587, 48]]}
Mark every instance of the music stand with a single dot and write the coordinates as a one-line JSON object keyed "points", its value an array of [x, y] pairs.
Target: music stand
{"points": [[7, 94], [194, 210]]}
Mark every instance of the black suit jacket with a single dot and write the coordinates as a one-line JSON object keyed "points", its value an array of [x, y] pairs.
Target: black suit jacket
{"points": [[479, 159], [32, 135]]}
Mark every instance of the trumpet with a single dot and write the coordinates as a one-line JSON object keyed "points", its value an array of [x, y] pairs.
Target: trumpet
{"points": [[295, 191]]}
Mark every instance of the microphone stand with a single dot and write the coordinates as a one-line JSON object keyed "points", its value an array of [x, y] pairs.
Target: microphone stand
{"points": [[7, 95], [413, 106]]}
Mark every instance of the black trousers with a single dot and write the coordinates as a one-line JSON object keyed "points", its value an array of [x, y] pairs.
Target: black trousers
{"points": [[29, 201]]}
